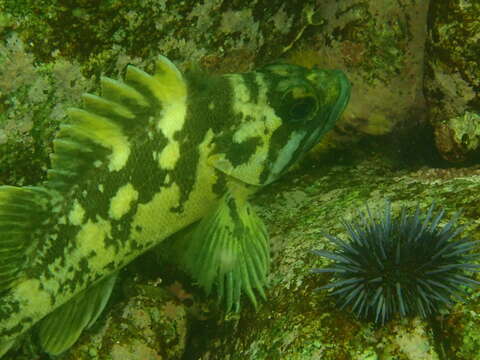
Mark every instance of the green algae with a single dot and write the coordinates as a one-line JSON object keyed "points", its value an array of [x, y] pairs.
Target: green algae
{"points": [[96, 33], [466, 130], [33, 100]]}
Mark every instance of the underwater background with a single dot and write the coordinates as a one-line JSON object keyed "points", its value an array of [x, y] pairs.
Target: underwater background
{"points": [[410, 134]]}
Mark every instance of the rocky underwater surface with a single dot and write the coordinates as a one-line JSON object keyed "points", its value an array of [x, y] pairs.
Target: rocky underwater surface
{"points": [[410, 135]]}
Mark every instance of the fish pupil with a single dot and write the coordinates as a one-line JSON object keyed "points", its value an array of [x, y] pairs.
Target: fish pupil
{"points": [[302, 108]]}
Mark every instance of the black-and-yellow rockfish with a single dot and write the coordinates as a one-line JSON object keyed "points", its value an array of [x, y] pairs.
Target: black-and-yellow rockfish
{"points": [[150, 156]]}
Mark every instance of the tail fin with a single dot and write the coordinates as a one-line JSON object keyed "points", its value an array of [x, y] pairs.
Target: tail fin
{"points": [[22, 211], [4, 347]]}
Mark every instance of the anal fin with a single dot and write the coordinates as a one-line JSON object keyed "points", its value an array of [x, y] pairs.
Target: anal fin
{"points": [[61, 329], [229, 248]]}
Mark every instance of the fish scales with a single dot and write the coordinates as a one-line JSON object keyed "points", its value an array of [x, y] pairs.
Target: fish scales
{"points": [[91, 238], [149, 157]]}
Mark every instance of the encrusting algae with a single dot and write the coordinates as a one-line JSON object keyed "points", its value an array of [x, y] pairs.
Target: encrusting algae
{"points": [[150, 156]]}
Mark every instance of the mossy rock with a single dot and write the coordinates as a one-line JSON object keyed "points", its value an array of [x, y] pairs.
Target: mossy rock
{"points": [[452, 77], [298, 323]]}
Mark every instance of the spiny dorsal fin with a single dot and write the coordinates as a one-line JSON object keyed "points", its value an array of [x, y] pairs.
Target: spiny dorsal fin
{"points": [[22, 212], [100, 134], [61, 328]]}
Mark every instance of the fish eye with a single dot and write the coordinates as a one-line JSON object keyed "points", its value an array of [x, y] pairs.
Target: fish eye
{"points": [[298, 104], [302, 108]]}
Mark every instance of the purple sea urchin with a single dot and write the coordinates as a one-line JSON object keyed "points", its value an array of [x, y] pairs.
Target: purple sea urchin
{"points": [[406, 264]]}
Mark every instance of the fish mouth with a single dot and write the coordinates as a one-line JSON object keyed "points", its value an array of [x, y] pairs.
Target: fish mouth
{"points": [[336, 87], [342, 101]]}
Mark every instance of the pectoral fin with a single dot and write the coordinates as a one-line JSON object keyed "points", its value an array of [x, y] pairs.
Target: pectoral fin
{"points": [[61, 329], [229, 249]]}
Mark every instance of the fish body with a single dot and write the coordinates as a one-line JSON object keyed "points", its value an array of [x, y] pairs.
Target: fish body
{"points": [[150, 156]]}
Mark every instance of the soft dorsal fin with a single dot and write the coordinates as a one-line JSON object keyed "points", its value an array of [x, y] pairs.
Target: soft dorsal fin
{"points": [[61, 328], [100, 134], [22, 212]]}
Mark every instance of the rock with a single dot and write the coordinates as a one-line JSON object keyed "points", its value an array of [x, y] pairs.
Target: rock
{"points": [[149, 325], [380, 45], [297, 322], [452, 81]]}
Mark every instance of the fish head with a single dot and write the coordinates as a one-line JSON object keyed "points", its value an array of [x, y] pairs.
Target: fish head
{"points": [[278, 113]]}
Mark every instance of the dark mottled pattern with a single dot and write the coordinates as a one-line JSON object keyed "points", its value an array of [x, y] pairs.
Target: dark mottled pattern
{"points": [[250, 80], [281, 135], [17, 328], [279, 138], [72, 161], [13, 307], [72, 164], [200, 118], [9, 308], [220, 185], [155, 104], [240, 153], [48, 249], [311, 124], [141, 171], [128, 126], [83, 276]]}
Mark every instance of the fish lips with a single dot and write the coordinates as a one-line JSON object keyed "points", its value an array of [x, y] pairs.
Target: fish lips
{"points": [[336, 89]]}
